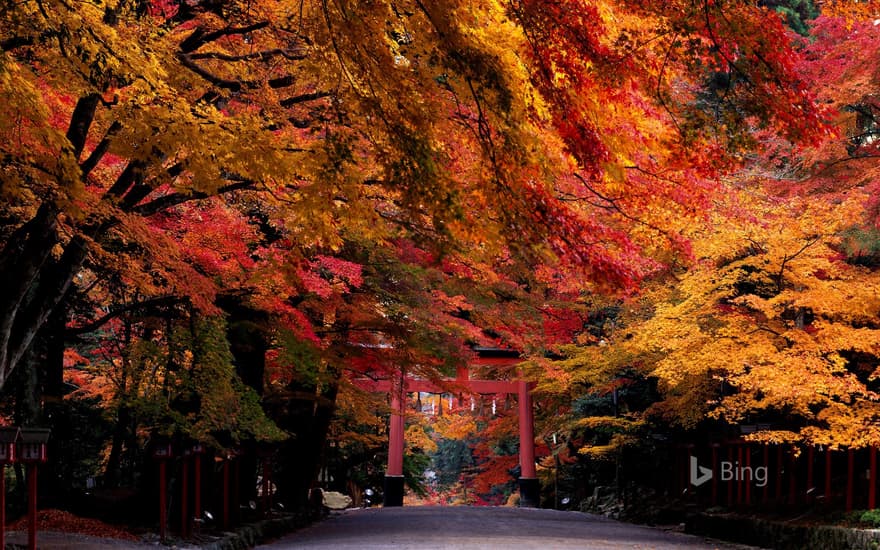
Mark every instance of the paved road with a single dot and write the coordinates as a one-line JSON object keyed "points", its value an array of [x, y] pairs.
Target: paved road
{"points": [[484, 528]]}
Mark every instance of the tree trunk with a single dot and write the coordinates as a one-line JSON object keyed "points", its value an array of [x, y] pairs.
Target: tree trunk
{"points": [[28, 394], [27, 258], [247, 343], [123, 429], [37, 291], [52, 334], [301, 457], [113, 469], [22, 259]]}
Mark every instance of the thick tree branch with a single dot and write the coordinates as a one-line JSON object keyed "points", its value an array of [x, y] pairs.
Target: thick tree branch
{"points": [[142, 190], [282, 82], [293, 55], [81, 121], [100, 150], [120, 310], [16, 42], [303, 98], [199, 37], [133, 174], [234, 85], [167, 201]]}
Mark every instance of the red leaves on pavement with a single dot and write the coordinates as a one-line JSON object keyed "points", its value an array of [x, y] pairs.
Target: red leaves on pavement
{"points": [[65, 522]]}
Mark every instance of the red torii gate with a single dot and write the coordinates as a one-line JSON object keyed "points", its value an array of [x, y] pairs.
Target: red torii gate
{"points": [[529, 488]]}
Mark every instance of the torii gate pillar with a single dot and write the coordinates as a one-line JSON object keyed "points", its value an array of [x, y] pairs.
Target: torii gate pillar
{"points": [[529, 486], [394, 487]]}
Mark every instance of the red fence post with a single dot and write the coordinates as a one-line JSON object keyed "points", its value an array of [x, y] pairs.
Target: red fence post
{"points": [[748, 468], [32, 506], [162, 452], [811, 458], [184, 496], [226, 493], [682, 463], [730, 488], [197, 481], [872, 480], [394, 483], [715, 470], [766, 491], [8, 450], [828, 476], [236, 488], [738, 469], [31, 450], [163, 501], [779, 472], [850, 475], [2, 505]]}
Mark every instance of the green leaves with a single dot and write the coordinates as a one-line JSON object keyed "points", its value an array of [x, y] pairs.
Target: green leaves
{"points": [[192, 390]]}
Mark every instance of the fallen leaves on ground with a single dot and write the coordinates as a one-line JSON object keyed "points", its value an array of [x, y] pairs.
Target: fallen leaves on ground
{"points": [[59, 520]]}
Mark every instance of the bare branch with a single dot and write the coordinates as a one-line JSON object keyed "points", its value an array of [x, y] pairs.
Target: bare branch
{"points": [[613, 205], [787, 258], [282, 82]]}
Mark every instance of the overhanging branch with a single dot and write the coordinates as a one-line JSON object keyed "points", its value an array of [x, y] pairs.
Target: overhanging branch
{"points": [[303, 98], [167, 201], [117, 311], [293, 55], [199, 37]]}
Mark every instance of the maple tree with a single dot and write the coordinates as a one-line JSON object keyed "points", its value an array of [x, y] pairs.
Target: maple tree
{"points": [[775, 320]]}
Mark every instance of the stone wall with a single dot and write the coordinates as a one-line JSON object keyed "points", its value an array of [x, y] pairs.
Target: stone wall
{"points": [[249, 536], [782, 536]]}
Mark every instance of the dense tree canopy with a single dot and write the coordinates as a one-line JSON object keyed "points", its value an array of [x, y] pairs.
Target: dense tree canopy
{"points": [[213, 208], [775, 320]]}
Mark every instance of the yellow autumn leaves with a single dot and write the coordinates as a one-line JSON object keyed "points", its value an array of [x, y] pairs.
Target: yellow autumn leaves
{"points": [[773, 324]]}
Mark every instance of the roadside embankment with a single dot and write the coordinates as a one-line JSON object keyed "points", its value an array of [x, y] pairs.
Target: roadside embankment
{"points": [[781, 535]]}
